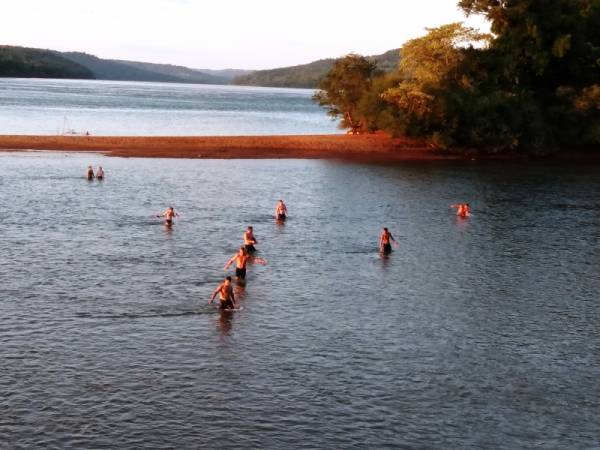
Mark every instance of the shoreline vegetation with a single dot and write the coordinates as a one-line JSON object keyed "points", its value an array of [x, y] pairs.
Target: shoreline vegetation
{"points": [[377, 148]]}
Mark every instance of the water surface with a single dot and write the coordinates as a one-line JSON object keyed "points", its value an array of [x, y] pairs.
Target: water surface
{"points": [[131, 108], [478, 333]]}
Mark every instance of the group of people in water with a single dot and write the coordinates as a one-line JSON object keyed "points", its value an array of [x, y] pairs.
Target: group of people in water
{"points": [[99, 175], [241, 259], [245, 254]]}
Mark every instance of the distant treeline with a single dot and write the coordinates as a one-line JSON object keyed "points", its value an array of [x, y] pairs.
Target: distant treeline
{"points": [[309, 75], [35, 63], [532, 86], [26, 62]]}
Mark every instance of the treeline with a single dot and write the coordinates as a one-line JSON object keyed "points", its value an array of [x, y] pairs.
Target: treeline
{"points": [[532, 85], [308, 75], [120, 70], [26, 62], [35, 63]]}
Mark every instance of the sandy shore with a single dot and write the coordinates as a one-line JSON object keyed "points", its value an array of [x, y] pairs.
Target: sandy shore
{"points": [[363, 147]]}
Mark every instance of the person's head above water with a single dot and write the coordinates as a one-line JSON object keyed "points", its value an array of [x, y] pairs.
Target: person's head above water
{"points": [[228, 279], [249, 228], [385, 229]]}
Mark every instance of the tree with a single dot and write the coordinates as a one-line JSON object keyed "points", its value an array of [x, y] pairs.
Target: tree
{"points": [[343, 87], [545, 58], [430, 66]]}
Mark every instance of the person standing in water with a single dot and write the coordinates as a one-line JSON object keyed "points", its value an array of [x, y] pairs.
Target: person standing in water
{"points": [[100, 173], [241, 259], [250, 240], [169, 215], [462, 209], [90, 173], [385, 242], [281, 211], [226, 295]]}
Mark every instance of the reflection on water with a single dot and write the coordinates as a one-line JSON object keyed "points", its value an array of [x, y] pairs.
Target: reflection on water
{"points": [[477, 333]]}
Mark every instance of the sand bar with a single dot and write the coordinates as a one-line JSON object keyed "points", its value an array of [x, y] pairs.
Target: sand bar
{"points": [[371, 148], [362, 147]]}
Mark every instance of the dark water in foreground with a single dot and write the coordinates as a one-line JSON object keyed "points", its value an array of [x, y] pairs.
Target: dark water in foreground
{"points": [[474, 334]]}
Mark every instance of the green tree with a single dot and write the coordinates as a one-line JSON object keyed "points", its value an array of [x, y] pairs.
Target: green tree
{"points": [[544, 60], [429, 67], [343, 88]]}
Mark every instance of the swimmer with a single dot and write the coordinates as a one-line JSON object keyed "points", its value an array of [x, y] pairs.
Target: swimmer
{"points": [[241, 259], [169, 214], [90, 173], [462, 209], [100, 173], [385, 242], [226, 295], [281, 211], [250, 240]]}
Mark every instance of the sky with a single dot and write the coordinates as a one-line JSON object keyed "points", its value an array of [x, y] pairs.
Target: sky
{"points": [[219, 34]]}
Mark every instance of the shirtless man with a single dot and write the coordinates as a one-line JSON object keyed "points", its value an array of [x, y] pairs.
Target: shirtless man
{"points": [[241, 259], [226, 295], [385, 242], [100, 173], [462, 209], [90, 173], [169, 214], [281, 211], [249, 240]]}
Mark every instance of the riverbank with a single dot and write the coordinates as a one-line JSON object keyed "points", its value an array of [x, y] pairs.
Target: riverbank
{"points": [[372, 148], [363, 147]]}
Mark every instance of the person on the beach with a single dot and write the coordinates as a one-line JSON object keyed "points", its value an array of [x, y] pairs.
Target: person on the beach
{"points": [[100, 173], [462, 209], [169, 215], [226, 295], [281, 211], [90, 173], [241, 259], [385, 242], [250, 240]]}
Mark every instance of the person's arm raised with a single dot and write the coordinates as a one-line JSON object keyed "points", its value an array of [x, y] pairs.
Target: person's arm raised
{"points": [[229, 263], [259, 260]]}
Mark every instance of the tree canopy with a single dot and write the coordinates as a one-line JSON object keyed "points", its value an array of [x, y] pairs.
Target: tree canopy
{"points": [[343, 88], [533, 85]]}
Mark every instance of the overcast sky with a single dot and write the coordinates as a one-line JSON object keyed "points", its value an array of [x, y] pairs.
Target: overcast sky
{"points": [[218, 34]]}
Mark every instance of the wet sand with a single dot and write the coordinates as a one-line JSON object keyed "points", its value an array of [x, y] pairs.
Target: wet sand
{"points": [[362, 147], [370, 148]]}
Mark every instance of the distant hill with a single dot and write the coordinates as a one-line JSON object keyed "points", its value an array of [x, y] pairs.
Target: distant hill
{"points": [[26, 62], [113, 69], [30, 62], [308, 75], [23, 62]]}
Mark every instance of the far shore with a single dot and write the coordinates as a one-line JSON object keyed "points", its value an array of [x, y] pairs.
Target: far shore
{"points": [[368, 148]]}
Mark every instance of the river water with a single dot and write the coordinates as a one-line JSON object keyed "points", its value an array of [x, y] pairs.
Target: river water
{"points": [[127, 108], [477, 333]]}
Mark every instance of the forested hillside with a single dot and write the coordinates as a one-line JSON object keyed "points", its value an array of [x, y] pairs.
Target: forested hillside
{"points": [[309, 75], [22, 62]]}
